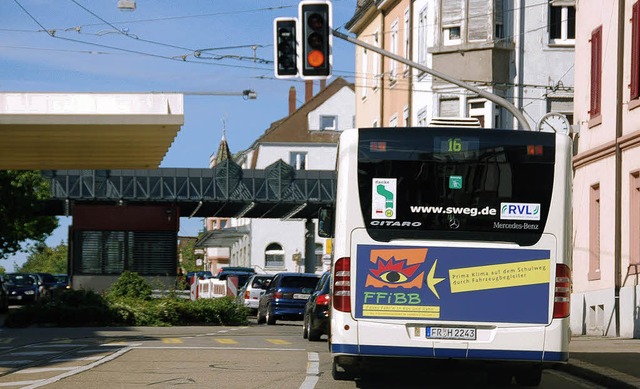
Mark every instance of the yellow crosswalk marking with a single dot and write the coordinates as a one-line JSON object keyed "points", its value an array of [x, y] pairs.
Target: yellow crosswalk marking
{"points": [[225, 341], [277, 341], [171, 340]]}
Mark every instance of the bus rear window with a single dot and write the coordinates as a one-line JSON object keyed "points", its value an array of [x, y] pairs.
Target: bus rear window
{"points": [[455, 183]]}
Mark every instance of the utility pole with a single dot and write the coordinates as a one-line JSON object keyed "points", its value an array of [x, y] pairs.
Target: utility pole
{"points": [[489, 96]]}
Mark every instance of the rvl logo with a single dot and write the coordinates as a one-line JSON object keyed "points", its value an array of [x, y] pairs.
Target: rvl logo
{"points": [[519, 211]]}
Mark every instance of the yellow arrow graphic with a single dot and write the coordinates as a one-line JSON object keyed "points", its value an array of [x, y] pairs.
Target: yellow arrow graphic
{"points": [[432, 281]]}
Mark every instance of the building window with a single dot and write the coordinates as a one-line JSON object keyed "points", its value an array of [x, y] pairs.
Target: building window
{"points": [[328, 122], [407, 39], [449, 107], [376, 62], [374, 124], [393, 120], [596, 73], [422, 117], [564, 105], [422, 35], [393, 47], [298, 160], [477, 27], [562, 24], [319, 253], [477, 110], [405, 116], [594, 233], [499, 19], [451, 22], [635, 52], [364, 72], [274, 256], [634, 223]]}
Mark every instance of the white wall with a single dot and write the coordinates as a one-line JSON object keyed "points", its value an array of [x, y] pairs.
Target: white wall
{"points": [[341, 104]]}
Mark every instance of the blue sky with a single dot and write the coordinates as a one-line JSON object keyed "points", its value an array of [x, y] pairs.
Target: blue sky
{"points": [[97, 48]]}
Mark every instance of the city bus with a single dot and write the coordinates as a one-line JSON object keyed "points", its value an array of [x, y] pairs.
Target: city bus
{"points": [[452, 244]]}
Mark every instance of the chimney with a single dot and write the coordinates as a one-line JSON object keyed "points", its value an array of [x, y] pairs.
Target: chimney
{"points": [[323, 84], [292, 100], [308, 90]]}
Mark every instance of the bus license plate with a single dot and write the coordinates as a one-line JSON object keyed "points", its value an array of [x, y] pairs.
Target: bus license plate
{"points": [[451, 333]]}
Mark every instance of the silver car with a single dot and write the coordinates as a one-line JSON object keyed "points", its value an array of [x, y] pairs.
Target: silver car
{"points": [[250, 293]]}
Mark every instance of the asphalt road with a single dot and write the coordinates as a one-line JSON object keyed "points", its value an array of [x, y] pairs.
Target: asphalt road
{"points": [[255, 356]]}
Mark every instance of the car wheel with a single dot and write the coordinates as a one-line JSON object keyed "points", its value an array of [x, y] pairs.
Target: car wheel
{"points": [[260, 318], [305, 328], [271, 319], [314, 333]]}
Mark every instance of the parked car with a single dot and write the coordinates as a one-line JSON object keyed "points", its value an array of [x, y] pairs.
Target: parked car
{"points": [[64, 281], [202, 275], [317, 310], [286, 296], [228, 269], [242, 275], [22, 288], [47, 285], [251, 292], [4, 296]]}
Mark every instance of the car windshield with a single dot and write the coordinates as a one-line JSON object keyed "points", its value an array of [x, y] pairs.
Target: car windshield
{"points": [[261, 282], [47, 277], [19, 279], [299, 282]]}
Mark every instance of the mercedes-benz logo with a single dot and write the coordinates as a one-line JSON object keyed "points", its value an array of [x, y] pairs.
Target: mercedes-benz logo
{"points": [[454, 223]]}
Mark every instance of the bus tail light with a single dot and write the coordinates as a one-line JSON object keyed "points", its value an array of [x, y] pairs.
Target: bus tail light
{"points": [[562, 296], [342, 285]]}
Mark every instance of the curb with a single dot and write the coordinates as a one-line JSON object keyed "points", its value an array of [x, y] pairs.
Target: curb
{"points": [[605, 376]]}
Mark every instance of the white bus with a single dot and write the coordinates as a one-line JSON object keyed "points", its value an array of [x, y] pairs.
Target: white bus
{"points": [[451, 243]]}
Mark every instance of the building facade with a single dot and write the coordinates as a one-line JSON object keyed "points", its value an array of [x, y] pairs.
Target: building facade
{"points": [[606, 195]]}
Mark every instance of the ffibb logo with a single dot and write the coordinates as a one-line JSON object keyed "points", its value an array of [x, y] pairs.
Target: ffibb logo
{"points": [[519, 211]]}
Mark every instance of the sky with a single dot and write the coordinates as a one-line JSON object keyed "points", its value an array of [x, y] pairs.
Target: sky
{"points": [[92, 46]]}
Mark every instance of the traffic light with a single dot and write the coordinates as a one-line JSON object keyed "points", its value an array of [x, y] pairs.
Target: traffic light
{"points": [[285, 47], [315, 39]]}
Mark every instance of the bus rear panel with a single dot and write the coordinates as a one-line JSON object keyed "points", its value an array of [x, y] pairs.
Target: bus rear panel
{"points": [[452, 243]]}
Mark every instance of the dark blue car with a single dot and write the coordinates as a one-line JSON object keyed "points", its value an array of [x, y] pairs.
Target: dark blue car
{"points": [[286, 297], [22, 288]]}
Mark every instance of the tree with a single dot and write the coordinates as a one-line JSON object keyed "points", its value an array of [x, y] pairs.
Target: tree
{"points": [[188, 256], [44, 259], [21, 192]]}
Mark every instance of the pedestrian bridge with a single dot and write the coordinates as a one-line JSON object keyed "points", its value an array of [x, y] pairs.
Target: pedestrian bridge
{"points": [[227, 190]]}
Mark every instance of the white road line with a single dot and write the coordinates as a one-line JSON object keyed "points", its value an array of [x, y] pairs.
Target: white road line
{"points": [[78, 370], [313, 371]]}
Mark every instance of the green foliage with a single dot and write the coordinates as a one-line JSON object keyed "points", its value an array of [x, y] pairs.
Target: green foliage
{"points": [[46, 259], [130, 285], [188, 256], [20, 196], [127, 303]]}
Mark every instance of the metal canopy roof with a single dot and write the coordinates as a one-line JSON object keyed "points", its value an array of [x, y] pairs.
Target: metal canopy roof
{"points": [[87, 130]]}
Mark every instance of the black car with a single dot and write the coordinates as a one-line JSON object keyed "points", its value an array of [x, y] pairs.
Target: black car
{"points": [[317, 309], [286, 296], [22, 288]]}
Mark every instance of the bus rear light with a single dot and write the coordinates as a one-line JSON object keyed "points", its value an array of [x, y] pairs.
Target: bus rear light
{"points": [[562, 296], [342, 285]]}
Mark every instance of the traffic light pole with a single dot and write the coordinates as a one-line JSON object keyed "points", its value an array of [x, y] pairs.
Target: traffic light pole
{"points": [[489, 96]]}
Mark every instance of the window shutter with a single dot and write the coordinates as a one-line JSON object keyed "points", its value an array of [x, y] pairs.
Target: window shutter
{"points": [[596, 72], [497, 12], [451, 13], [635, 51], [449, 108], [478, 23]]}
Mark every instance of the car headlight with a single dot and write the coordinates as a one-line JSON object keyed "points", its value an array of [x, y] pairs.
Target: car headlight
{"points": [[29, 292]]}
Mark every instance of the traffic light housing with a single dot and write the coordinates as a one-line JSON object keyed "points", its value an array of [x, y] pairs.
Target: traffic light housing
{"points": [[315, 39], [285, 47]]}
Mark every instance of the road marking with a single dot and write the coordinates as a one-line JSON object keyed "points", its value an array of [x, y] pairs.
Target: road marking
{"points": [[225, 341], [277, 341], [51, 380], [313, 371], [171, 340]]}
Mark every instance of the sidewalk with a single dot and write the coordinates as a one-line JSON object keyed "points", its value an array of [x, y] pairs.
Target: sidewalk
{"points": [[611, 362]]}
